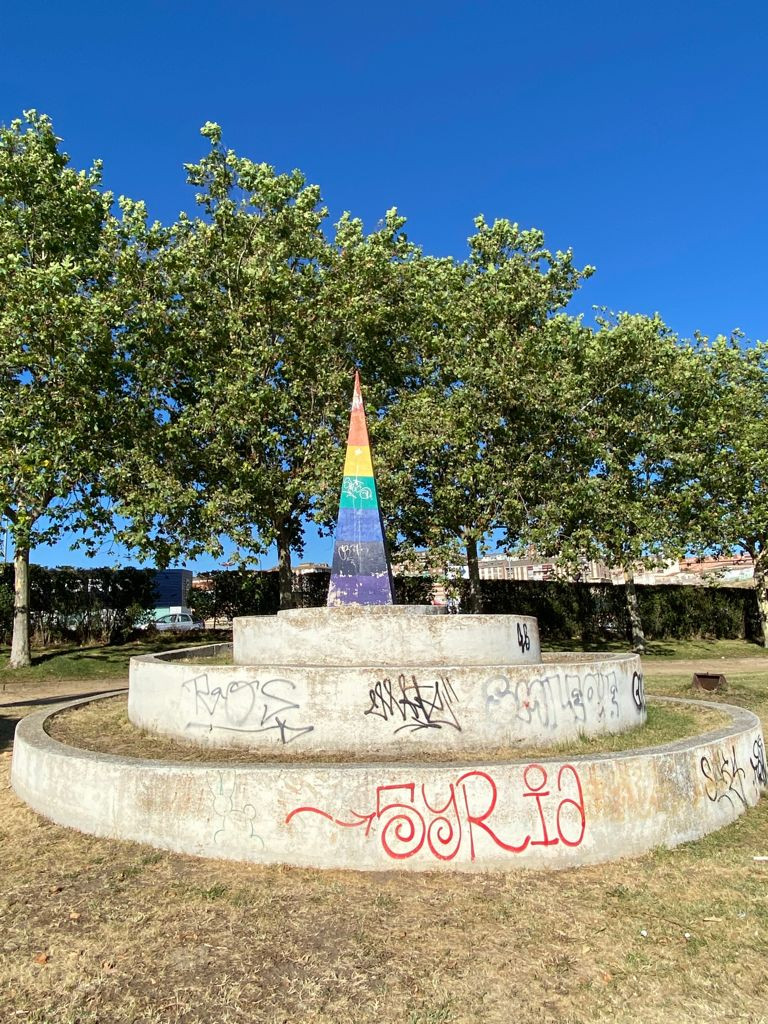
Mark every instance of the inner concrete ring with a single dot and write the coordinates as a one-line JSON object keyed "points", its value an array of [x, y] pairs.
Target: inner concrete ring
{"points": [[486, 816], [384, 708]]}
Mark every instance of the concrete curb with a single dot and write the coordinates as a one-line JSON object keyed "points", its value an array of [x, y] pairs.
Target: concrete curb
{"points": [[383, 816]]}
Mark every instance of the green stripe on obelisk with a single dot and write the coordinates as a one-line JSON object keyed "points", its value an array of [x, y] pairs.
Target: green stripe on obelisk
{"points": [[358, 492]]}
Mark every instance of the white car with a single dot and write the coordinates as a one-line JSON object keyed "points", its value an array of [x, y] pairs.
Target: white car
{"points": [[178, 621]]}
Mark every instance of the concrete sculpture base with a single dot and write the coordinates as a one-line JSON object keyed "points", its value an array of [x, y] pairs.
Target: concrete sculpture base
{"points": [[381, 679], [486, 816]]}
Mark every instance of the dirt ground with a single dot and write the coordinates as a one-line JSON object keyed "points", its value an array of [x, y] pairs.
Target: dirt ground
{"points": [[103, 932]]}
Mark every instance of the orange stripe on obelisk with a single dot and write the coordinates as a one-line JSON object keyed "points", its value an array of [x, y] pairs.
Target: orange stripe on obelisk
{"points": [[358, 431]]}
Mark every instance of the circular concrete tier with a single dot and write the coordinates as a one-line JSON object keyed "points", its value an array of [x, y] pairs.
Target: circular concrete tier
{"points": [[414, 635], [485, 816], [387, 705]]}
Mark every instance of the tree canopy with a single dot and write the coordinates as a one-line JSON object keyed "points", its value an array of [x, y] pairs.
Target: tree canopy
{"points": [[195, 377], [61, 364]]}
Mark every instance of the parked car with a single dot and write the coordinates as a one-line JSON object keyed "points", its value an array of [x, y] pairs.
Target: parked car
{"points": [[178, 621]]}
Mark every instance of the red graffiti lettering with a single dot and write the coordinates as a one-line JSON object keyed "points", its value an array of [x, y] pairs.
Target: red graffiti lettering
{"points": [[535, 778], [578, 805], [407, 823], [480, 819]]}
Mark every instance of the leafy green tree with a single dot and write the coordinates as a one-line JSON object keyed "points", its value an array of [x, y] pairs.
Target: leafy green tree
{"points": [[470, 434], [61, 370], [614, 489], [726, 465], [247, 377]]}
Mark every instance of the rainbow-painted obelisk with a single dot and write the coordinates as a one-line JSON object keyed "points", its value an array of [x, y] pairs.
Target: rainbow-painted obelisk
{"points": [[361, 573]]}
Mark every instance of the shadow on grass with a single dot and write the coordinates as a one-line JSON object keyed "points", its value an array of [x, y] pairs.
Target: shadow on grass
{"points": [[654, 647], [57, 699], [73, 661]]}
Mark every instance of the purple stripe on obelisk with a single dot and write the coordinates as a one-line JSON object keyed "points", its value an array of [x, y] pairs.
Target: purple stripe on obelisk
{"points": [[361, 589]]}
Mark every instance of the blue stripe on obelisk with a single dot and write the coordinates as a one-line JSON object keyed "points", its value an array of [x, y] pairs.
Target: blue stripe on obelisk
{"points": [[361, 524], [360, 573]]}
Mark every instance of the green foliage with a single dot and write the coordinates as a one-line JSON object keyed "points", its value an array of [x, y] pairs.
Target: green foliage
{"points": [[60, 368], [726, 464], [468, 440], [63, 401], [246, 380], [234, 592], [594, 612], [613, 495]]}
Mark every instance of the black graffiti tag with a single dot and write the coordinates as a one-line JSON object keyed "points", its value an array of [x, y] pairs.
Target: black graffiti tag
{"points": [[757, 762], [638, 690], [724, 779], [417, 705], [523, 639]]}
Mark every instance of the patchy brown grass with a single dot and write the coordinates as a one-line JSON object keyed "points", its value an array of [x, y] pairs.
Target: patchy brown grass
{"points": [[103, 932], [104, 726]]}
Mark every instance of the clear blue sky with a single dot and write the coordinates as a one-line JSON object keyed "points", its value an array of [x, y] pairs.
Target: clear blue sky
{"points": [[634, 134]]}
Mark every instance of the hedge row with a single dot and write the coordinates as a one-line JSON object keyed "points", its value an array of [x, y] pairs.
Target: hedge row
{"points": [[106, 604], [598, 611], [585, 611], [246, 592], [84, 605]]}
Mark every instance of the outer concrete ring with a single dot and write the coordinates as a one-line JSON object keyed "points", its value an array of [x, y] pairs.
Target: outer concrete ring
{"points": [[469, 817]]}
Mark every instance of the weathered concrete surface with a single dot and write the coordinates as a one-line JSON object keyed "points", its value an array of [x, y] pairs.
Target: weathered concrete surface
{"points": [[379, 707], [390, 635], [468, 817]]}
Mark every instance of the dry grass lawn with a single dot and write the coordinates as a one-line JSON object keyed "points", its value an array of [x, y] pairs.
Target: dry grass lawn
{"points": [[104, 726], [101, 932]]}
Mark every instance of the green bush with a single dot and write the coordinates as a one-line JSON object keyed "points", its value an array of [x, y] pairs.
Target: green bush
{"points": [[597, 611], [256, 592], [83, 605]]}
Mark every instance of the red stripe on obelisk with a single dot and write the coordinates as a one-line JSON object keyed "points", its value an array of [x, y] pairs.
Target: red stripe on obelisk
{"points": [[358, 431]]}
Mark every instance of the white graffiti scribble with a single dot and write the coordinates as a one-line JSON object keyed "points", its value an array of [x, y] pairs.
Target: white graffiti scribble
{"points": [[244, 706], [542, 699]]}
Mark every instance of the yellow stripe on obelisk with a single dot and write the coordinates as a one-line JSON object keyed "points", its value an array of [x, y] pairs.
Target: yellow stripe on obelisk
{"points": [[358, 461]]}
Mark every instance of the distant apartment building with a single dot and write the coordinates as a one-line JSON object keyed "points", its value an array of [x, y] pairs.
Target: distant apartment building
{"points": [[691, 571], [305, 568], [728, 568], [502, 567]]}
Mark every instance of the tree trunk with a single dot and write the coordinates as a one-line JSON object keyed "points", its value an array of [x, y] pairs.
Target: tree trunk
{"points": [[21, 656], [474, 597], [285, 574], [633, 608], [761, 593]]}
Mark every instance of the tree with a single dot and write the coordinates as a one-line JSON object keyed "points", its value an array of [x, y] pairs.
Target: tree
{"points": [[726, 465], [250, 372], [614, 489], [61, 370], [470, 434]]}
